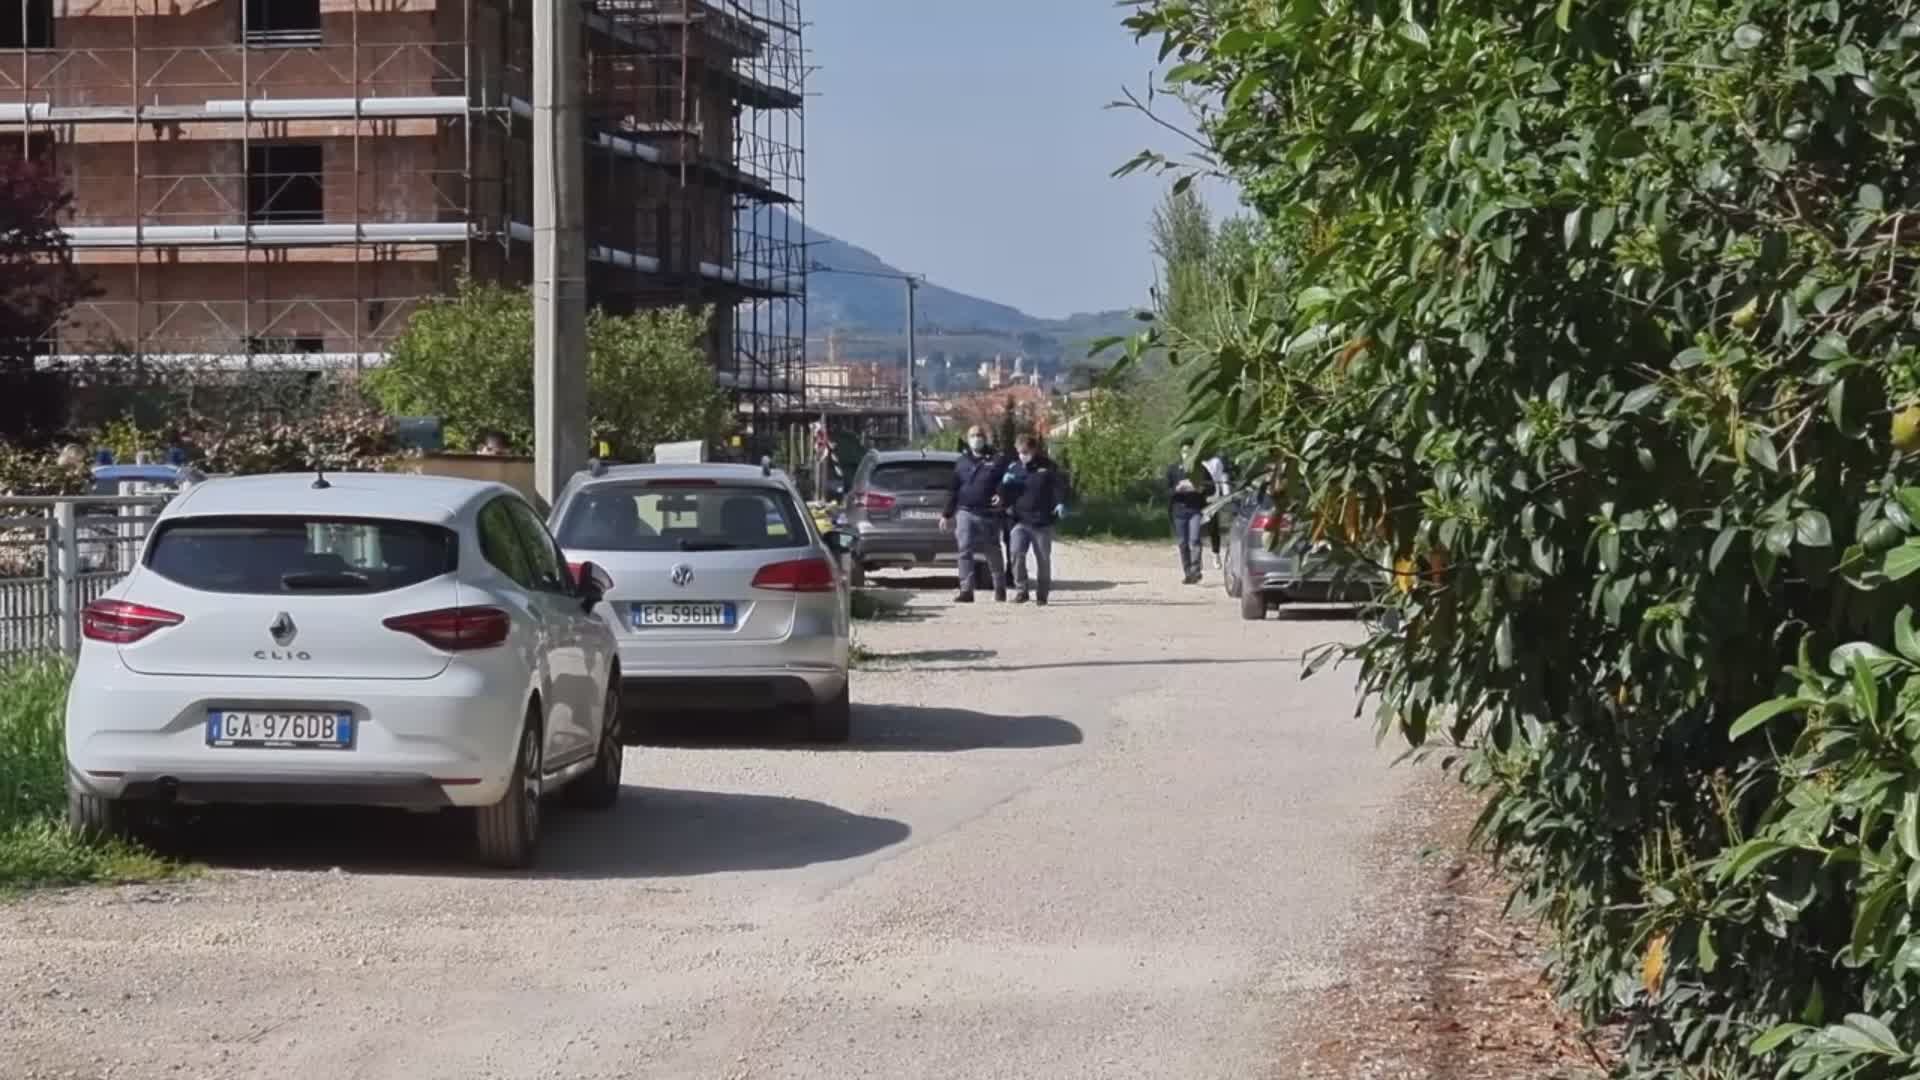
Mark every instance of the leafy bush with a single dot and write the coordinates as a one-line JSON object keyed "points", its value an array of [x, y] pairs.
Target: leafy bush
{"points": [[253, 422], [1111, 453], [25, 473], [345, 436], [1603, 335], [126, 440], [468, 359]]}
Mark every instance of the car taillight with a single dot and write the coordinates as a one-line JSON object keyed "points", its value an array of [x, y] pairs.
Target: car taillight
{"points": [[800, 575], [573, 574], [873, 500], [1272, 522], [460, 629], [117, 622]]}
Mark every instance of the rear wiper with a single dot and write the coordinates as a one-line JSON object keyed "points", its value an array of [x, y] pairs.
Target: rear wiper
{"points": [[708, 545], [329, 579]]}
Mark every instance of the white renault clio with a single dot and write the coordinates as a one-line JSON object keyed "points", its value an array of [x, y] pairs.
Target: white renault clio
{"points": [[357, 639]]}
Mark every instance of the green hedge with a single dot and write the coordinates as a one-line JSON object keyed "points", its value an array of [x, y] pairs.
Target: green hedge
{"points": [[1596, 317]]}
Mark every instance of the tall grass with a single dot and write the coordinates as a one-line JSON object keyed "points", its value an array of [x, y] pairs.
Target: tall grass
{"points": [[35, 848], [33, 701]]}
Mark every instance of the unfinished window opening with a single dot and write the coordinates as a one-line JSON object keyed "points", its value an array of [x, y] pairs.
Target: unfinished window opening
{"points": [[270, 345], [26, 24], [283, 22], [36, 147], [283, 185]]}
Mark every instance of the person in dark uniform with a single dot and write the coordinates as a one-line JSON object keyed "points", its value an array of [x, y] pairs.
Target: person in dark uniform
{"points": [[973, 512], [1189, 490], [1036, 507]]}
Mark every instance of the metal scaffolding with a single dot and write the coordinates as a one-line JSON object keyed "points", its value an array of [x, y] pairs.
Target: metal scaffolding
{"points": [[258, 181], [694, 113]]}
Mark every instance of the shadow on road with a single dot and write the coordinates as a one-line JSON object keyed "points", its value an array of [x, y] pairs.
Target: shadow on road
{"points": [[917, 582], [1090, 586], [946, 583], [933, 656], [922, 729], [665, 832], [1318, 613], [879, 729], [650, 833], [1096, 603], [1198, 661]]}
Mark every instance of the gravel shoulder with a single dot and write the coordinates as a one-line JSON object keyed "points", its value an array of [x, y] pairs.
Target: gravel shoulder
{"points": [[1114, 837]]}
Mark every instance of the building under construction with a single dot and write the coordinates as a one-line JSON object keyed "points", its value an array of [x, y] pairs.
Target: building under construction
{"points": [[279, 182]]}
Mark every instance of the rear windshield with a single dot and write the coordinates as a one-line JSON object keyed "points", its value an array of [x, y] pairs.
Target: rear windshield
{"points": [[654, 517], [289, 554], [913, 476]]}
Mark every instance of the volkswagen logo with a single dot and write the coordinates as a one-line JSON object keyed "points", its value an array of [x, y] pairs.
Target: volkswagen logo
{"points": [[283, 630], [682, 575]]}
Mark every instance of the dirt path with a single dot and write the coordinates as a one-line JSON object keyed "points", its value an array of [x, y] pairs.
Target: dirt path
{"points": [[1116, 837]]}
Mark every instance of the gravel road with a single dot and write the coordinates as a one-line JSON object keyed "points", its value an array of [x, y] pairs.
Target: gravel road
{"points": [[1116, 837]]}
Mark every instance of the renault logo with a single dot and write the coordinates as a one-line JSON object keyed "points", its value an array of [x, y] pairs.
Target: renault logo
{"points": [[283, 630], [682, 575]]}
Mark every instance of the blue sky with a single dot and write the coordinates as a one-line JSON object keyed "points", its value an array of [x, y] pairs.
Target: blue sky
{"points": [[967, 140]]}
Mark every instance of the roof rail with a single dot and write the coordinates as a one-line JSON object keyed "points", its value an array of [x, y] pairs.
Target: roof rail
{"points": [[596, 467]]}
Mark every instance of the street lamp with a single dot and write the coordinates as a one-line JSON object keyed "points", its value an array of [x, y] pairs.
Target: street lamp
{"points": [[913, 283]]}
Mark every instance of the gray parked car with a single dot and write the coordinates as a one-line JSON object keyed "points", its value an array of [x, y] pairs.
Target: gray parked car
{"points": [[723, 594], [1290, 573], [893, 512]]}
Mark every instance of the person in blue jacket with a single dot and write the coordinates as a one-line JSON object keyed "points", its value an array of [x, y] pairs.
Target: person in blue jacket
{"points": [[973, 511], [1037, 497]]}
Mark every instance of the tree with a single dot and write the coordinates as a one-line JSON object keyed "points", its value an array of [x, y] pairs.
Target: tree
{"points": [[468, 359], [649, 380], [1183, 241], [1199, 260], [1113, 455], [1597, 333], [38, 286]]}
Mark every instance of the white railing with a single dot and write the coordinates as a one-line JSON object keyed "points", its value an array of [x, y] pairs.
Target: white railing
{"points": [[59, 554]]}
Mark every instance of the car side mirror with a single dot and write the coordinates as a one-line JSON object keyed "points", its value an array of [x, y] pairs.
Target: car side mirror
{"points": [[841, 543], [591, 585]]}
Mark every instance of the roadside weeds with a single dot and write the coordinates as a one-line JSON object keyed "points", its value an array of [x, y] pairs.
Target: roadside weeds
{"points": [[1441, 984], [35, 847]]}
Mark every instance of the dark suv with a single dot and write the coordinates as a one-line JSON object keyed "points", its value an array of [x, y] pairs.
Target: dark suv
{"points": [[893, 511]]}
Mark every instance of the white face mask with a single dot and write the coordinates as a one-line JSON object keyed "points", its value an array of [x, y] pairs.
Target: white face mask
{"points": [[978, 442]]}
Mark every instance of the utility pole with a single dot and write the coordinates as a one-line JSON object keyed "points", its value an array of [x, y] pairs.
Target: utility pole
{"points": [[559, 251], [913, 362]]}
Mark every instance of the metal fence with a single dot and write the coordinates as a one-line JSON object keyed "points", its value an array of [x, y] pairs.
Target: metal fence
{"points": [[59, 554]]}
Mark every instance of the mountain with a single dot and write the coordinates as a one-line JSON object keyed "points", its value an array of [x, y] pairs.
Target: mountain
{"points": [[858, 297], [840, 296]]}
